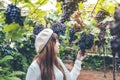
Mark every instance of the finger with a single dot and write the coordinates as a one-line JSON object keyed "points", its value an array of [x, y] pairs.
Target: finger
{"points": [[86, 52], [79, 52]]}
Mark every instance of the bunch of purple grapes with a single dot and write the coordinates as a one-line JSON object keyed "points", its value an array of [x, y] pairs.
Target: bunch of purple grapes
{"points": [[115, 32], [101, 37], [101, 15], [72, 35], [37, 29], [13, 14], [115, 45], [66, 12], [102, 33], [68, 9], [86, 42], [59, 28]]}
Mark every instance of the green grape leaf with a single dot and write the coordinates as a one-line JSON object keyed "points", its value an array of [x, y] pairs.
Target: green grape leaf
{"points": [[17, 37], [58, 6], [23, 1], [6, 58], [81, 6], [14, 78], [29, 5], [41, 2], [11, 27], [2, 17], [17, 73], [110, 8], [0, 68], [8, 35]]}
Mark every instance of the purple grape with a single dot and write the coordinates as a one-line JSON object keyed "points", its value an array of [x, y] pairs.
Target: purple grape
{"points": [[13, 14]]}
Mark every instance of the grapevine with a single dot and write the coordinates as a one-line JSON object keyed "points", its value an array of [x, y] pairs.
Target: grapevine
{"points": [[101, 36], [37, 29], [68, 8], [86, 42], [101, 15], [59, 28], [13, 14], [115, 42], [72, 35]]}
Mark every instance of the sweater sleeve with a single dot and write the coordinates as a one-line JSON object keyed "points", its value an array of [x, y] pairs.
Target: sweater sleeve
{"points": [[33, 72], [74, 72]]}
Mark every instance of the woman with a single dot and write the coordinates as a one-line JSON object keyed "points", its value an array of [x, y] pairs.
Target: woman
{"points": [[46, 65]]}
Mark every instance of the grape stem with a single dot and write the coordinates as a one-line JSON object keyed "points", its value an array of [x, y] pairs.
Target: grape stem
{"points": [[15, 2], [94, 7], [38, 7]]}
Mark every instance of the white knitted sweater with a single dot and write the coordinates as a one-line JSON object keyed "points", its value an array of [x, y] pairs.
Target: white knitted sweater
{"points": [[34, 73]]}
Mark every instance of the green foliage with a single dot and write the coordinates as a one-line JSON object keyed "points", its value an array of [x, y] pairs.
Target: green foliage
{"points": [[5, 59], [34, 12], [17, 42], [15, 60], [38, 16], [95, 62], [27, 49], [109, 8], [2, 18], [58, 6], [6, 73], [41, 2], [13, 32], [11, 27]]}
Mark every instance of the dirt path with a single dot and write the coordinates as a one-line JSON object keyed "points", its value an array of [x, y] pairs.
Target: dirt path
{"points": [[94, 75], [97, 75]]}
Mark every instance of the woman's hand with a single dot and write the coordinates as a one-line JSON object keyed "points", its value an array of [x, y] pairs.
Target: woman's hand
{"points": [[80, 56]]}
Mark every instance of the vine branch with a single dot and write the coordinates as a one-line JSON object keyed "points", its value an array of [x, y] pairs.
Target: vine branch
{"points": [[15, 2], [37, 7], [94, 7]]}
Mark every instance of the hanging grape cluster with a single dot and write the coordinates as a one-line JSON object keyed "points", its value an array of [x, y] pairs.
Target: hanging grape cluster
{"points": [[68, 8], [59, 28], [37, 29], [115, 45], [115, 32], [101, 15], [13, 14], [117, 15], [86, 42], [102, 33], [72, 35]]}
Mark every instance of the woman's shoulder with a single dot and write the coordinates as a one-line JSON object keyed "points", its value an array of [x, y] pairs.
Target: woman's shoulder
{"points": [[59, 59], [34, 65], [33, 72]]}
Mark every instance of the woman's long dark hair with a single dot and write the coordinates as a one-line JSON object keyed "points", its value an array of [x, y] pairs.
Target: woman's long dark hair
{"points": [[47, 59]]}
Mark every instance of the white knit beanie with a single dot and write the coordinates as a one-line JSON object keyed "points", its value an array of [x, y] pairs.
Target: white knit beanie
{"points": [[42, 39]]}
